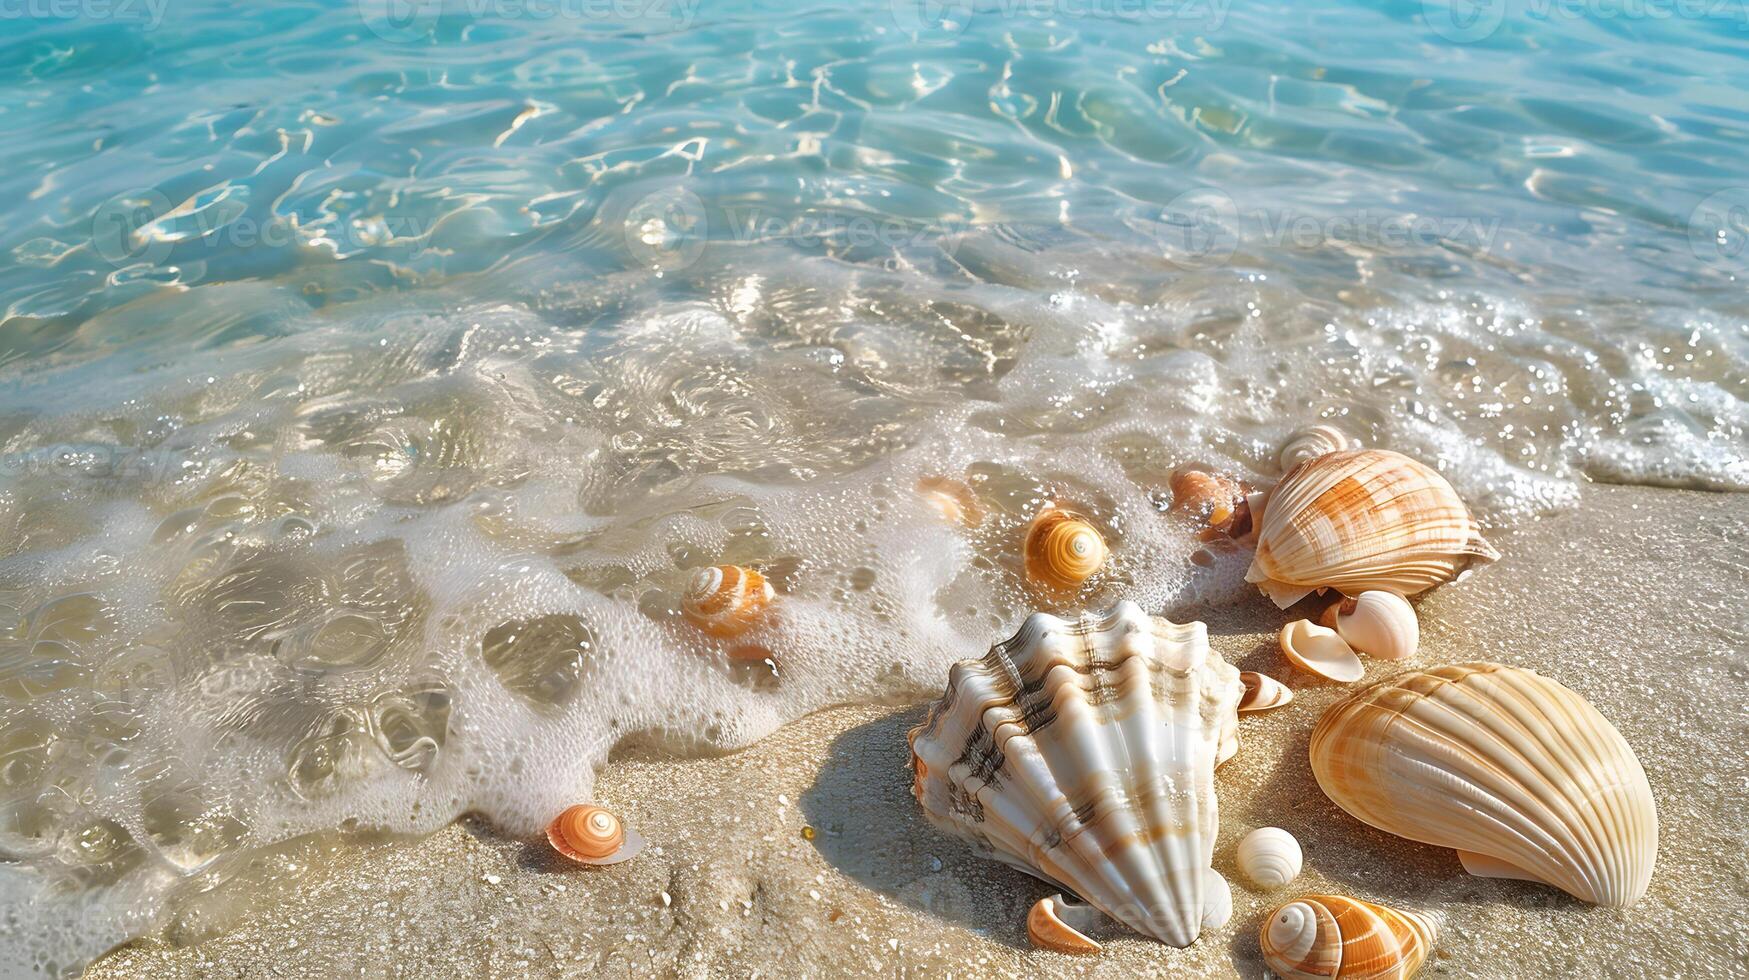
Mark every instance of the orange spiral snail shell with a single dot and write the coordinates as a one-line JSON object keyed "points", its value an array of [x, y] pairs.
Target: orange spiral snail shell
{"points": [[726, 600], [589, 834], [1062, 550]]}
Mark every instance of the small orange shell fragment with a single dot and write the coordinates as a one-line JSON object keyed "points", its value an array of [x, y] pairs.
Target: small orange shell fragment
{"points": [[1047, 930], [1215, 499]]}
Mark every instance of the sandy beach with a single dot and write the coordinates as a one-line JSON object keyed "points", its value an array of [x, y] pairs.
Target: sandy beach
{"points": [[805, 855]]}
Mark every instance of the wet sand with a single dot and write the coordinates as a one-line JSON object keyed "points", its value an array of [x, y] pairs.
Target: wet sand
{"points": [[805, 855]]}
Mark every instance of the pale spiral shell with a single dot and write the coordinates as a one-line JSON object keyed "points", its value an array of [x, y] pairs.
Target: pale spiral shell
{"points": [[1332, 937], [1378, 624], [1062, 550], [1270, 857], [1521, 775], [1262, 692], [591, 834], [1361, 519], [1314, 441], [1318, 650], [726, 600]]}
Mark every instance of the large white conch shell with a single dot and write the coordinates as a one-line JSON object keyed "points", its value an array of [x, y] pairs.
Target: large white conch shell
{"points": [[1357, 520], [1083, 751], [1518, 773]]}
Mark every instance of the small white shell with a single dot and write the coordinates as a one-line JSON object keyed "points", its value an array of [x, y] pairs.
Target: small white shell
{"points": [[1262, 692], [1270, 857], [1217, 900], [1379, 624], [1314, 441], [1317, 650]]}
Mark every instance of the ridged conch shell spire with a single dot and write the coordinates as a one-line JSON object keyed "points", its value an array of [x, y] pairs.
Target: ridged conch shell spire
{"points": [[1083, 752], [1314, 441], [1333, 937], [1521, 775], [726, 600], [1062, 550], [1361, 519], [590, 834]]}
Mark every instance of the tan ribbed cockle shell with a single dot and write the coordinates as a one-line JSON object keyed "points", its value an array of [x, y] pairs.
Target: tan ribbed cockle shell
{"points": [[1083, 751], [1521, 775], [1333, 937], [1357, 520]]}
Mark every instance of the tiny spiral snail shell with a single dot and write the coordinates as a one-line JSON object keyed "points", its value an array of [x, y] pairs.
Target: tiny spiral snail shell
{"points": [[1062, 550], [592, 835], [725, 600], [1330, 937]]}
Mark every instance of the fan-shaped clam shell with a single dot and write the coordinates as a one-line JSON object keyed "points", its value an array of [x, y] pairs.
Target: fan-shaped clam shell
{"points": [[1378, 624], [1521, 775], [955, 501], [1318, 650], [1062, 550], [1083, 751], [1270, 857], [1332, 937], [1217, 500], [1262, 692], [1314, 441], [726, 600], [1361, 519], [590, 834]]}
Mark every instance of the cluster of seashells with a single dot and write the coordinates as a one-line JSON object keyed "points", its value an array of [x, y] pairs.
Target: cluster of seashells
{"points": [[1083, 749]]}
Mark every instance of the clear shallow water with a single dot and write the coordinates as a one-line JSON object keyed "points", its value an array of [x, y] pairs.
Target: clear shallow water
{"points": [[370, 383]]}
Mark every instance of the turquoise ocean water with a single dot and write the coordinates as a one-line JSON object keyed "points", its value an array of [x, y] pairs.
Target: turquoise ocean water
{"points": [[372, 375]]}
